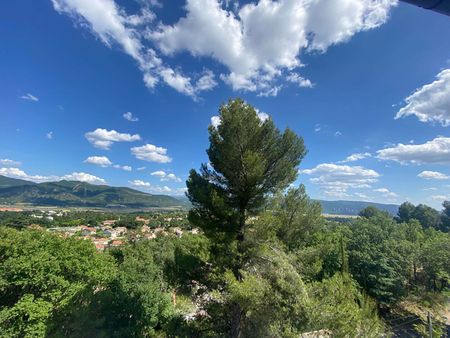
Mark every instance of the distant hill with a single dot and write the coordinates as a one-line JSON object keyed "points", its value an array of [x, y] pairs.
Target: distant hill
{"points": [[79, 194], [6, 182], [354, 207]]}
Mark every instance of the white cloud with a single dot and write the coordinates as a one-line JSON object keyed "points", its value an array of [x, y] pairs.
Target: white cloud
{"points": [[101, 161], [29, 97], [49, 135], [75, 176], [123, 167], [111, 24], [336, 179], [299, 80], [355, 157], [433, 175], [151, 153], [20, 174], [9, 163], [83, 177], [436, 151], [361, 195], [259, 43], [440, 198], [148, 187], [386, 193], [141, 168], [139, 183], [206, 81], [338, 133], [163, 176], [103, 139], [431, 102], [265, 38], [129, 116]]}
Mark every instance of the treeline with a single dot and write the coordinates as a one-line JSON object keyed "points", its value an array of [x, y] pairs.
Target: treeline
{"points": [[266, 264], [92, 218]]}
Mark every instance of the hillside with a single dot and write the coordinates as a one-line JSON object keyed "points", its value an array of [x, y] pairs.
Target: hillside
{"points": [[354, 207], [79, 194], [12, 182]]}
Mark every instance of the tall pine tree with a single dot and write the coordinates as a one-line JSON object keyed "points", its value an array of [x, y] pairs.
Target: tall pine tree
{"points": [[249, 159]]}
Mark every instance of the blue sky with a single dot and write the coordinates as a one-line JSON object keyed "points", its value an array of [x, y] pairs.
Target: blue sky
{"points": [[352, 77]]}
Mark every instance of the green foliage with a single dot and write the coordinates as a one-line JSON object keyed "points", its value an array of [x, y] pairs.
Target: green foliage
{"points": [[40, 274], [249, 159], [377, 257], [435, 259], [336, 304], [427, 216]]}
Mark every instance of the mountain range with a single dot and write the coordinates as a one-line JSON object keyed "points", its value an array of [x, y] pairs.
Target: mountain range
{"points": [[82, 194]]}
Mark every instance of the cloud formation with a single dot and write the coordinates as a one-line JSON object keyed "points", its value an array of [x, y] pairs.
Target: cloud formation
{"points": [[103, 139], [431, 102], [258, 43], [155, 189], [129, 116], [75, 176], [355, 157], [151, 153], [101, 161], [29, 97], [9, 163], [336, 179], [436, 151], [433, 175], [83, 177], [164, 176]]}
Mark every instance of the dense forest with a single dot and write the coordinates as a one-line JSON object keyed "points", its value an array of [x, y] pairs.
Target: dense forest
{"points": [[266, 263]]}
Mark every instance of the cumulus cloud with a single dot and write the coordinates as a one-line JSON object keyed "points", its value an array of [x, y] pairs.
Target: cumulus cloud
{"points": [[9, 163], [436, 151], [49, 135], [113, 26], [431, 102], [29, 97], [75, 176], [386, 193], [299, 80], [101, 161], [433, 175], [129, 116], [355, 157], [20, 174], [258, 43], [122, 167], [103, 139], [336, 179], [151, 153], [83, 177], [440, 198], [148, 187], [104, 162], [164, 176]]}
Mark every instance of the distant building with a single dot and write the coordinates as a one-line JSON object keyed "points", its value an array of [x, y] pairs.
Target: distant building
{"points": [[144, 220], [109, 222]]}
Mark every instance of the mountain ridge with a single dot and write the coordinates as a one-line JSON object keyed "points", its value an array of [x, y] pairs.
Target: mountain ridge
{"points": [[81, 194]]}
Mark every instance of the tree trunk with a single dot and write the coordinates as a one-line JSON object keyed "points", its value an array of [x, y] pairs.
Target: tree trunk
{"points": [[236, 321]]}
